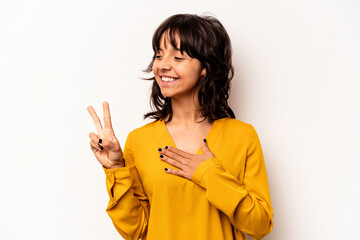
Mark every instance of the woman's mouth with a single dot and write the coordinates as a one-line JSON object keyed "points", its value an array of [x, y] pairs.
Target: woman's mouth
{"points": [[168, 81]]}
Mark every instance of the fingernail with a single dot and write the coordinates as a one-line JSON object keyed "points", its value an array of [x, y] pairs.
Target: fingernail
{"points": [[101, 147], [204, 140], [166, 169], [100, 140], [160, 149], [161, 156], [166, 147]]}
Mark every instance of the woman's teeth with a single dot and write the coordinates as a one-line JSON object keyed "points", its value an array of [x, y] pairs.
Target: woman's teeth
{"points": [[166, 79]]}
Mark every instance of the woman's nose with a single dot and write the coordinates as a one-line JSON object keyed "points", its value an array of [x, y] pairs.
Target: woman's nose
{"points": [[165, 64]]}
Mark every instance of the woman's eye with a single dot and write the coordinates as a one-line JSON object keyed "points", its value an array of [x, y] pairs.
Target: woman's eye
{"points": [[158, 56], [179, 58]]}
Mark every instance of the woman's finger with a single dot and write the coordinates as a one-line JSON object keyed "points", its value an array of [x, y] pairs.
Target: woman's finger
{"points": [[176, 172], [94, 147], [111, 144], [95, 119], [107, 117], [172, 155], [172, 162], [205, 148], [176, 153], [95, 139]]}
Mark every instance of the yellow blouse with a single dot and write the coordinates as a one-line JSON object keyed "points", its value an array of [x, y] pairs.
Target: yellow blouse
{"points": [[227, 197]]}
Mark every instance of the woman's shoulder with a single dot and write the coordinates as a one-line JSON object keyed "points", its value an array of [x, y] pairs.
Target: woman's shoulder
{"points": [[147, 129], [235, 125], [242, 130]]}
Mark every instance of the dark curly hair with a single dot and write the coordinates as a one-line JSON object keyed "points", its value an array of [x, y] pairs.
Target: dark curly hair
{"points": [[203, 38]]}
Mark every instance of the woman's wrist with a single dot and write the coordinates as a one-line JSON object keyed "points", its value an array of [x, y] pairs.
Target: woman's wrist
{"points": [[118, 165]]}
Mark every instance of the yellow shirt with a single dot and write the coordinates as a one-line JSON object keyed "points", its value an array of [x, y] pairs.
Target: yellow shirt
{"points": [[227, 197]]}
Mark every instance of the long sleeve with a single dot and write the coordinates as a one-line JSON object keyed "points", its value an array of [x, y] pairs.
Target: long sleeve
{"points": [[128, 207], [245, 201]]}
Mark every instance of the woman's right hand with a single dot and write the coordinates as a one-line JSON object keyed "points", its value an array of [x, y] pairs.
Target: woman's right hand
{"points": [[108, 152]]}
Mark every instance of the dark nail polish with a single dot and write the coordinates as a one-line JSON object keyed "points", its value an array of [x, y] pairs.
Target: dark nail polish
{"points": [[100, 140], [166, 169], [161, 156], [101, 147], [160, 149], [166, 147], [204, 140]]}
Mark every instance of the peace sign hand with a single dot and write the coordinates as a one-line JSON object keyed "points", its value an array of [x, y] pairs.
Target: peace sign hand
{"points": [[105, 145]]}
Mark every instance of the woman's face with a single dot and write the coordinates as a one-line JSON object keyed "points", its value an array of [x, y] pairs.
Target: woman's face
{"points": [[176, 74]]}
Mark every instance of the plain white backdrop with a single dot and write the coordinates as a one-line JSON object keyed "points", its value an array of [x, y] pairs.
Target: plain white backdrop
{"points": [[297, 81]]}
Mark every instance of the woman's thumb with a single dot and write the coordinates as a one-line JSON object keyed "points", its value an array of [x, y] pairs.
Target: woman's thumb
{"points": [[204, 146], [206, 150]]}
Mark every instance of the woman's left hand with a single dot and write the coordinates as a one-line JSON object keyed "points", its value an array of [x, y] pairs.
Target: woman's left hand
{"points": [[186, 162]]}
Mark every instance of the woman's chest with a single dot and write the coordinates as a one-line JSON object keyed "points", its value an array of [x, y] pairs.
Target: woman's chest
{"points": [[155, 180], [188, 140]]}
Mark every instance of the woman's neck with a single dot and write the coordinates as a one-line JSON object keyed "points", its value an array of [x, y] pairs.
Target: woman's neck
{"points": [[186, 111]]}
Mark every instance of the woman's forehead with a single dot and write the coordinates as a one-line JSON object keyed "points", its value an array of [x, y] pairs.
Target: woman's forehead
{"points": [[170, 40]]}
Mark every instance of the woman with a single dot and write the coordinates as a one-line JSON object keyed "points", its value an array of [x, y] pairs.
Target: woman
{"points": [[195, 172]]}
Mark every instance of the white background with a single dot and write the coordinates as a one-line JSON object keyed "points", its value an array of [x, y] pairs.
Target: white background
{"points": [[297, 79]]}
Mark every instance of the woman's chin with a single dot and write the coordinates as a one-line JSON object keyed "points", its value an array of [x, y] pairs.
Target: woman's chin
{"points": [[166, 94]]}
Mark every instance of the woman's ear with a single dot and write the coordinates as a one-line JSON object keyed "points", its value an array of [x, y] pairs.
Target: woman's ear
{"points": [[203, 72]]}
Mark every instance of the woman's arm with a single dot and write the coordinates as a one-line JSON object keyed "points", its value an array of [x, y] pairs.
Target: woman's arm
{"points": [[128, 206], [247, 205]]}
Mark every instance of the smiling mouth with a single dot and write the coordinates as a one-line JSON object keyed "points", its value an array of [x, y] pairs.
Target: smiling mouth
{"points": [[168, 79]]}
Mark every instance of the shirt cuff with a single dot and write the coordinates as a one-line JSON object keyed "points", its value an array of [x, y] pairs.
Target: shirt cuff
{"points": [[202, 169], [118, 181], [117, 174]]}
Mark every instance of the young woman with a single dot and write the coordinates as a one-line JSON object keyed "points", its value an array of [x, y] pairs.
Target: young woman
{"points": [[195, 172]]}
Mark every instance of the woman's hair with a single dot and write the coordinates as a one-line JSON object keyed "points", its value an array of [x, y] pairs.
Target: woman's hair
{"points": [[203, 38]]}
